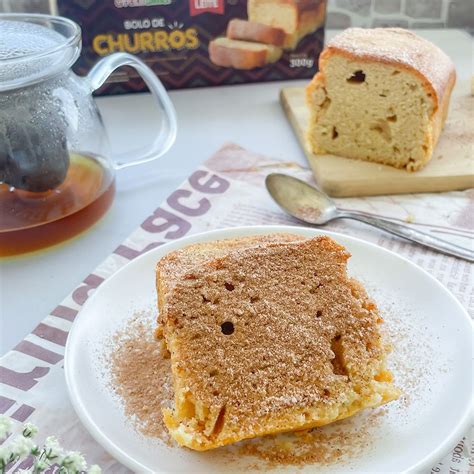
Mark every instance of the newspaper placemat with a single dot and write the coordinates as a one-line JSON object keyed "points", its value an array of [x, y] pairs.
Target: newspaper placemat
{"points": [[228, 190]]}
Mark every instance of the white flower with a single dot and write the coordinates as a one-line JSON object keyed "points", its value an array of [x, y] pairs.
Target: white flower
{"points": [[40, 465], [5, 454], [5, 426], [21, 446], [52, 448], [71, 462], [29, 430], [74, 461]]}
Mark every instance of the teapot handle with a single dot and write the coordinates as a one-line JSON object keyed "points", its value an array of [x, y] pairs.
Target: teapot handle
{"points": [[168, 126]]}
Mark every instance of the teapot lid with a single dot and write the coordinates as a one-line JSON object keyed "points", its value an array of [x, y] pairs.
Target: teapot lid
{"points": [[35, 47]]}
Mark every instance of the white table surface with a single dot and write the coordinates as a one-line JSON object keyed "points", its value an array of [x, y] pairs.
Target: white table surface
{"points": [[250, 115]]}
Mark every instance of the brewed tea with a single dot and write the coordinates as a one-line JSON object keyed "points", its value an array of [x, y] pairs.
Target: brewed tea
{"points": [[31, 220]]}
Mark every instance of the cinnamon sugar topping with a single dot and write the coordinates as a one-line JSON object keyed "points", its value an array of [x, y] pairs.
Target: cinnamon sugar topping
{"points": [[141, 377]]}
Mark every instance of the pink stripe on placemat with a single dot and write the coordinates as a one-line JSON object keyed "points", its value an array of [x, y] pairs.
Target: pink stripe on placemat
{"points": [[23, 413], [81, 294], [5, 404], [64, 312], [27, 463], [130, 254], [58, 336], [22, 380], [38, 352]]}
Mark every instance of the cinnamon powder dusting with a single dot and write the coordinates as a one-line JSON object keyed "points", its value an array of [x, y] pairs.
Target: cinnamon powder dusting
{"points": [[141, 377]]}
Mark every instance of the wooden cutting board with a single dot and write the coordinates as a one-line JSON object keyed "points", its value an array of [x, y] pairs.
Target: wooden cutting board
{"points": [[450, 168]]}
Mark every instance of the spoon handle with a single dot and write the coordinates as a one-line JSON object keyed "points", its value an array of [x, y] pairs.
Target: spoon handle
{"points": [[411, 234]]}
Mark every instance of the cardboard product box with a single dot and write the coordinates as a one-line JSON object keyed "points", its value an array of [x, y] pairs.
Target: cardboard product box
{"points": [[193, 43]]}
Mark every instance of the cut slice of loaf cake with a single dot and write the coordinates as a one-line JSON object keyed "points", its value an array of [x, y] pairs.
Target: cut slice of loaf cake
{"points": [[258, 32], [267, 338], [381, 95], [242, 54], [297, 18]]}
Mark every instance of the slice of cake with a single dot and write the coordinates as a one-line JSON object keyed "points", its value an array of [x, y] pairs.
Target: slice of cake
{"points": [[258, 32], [267, 337], [297, 18], [381, 95], [227, 52]]}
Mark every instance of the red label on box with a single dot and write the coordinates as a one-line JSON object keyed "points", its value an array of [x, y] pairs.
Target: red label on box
{"points": [[196, 7]]}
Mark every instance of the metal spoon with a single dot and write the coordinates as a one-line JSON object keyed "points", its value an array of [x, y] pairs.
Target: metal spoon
{"points": [[308, 204]]}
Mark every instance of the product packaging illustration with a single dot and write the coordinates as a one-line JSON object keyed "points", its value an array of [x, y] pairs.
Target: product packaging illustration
{"points": [[194, 43]]}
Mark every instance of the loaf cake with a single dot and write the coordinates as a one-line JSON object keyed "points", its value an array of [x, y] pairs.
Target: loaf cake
{"points": [[228, 52], [266, 335], [380, 95], [297, 18], [257, 32]]}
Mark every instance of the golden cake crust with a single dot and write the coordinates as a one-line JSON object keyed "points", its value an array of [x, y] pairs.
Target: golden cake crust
{"points": [[309, 15], [400, 47], [251, 31], [300, 6], [227, 52]]}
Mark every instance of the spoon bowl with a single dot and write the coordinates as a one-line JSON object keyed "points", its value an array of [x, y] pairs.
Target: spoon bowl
{"points": [[301, 200]]}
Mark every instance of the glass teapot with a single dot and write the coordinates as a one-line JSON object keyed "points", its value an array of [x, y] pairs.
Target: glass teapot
{"points": [[56, 169]]}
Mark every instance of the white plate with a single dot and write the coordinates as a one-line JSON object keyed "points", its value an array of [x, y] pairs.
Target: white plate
{"points": [[436, 346]]}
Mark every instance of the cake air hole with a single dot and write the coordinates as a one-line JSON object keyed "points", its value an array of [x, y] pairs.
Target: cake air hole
{"points": [[227, 328], [357, 77], [219, 422], [338, 366]]}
